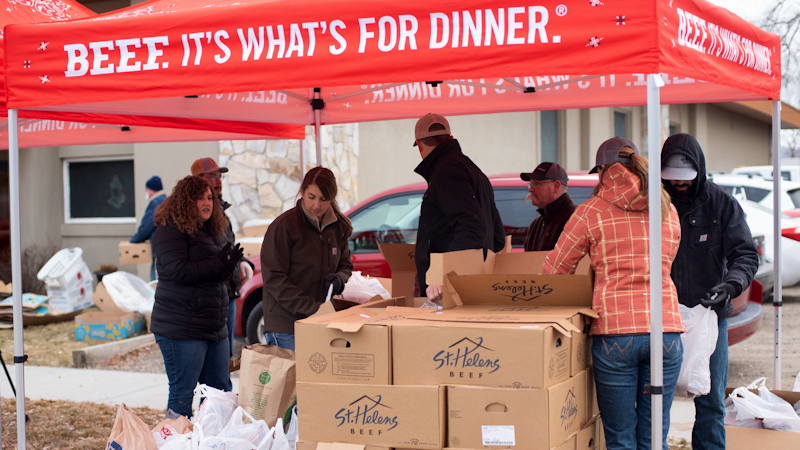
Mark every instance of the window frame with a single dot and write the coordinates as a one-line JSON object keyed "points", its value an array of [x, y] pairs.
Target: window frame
{"points": [[628, 115], [68, 219]]}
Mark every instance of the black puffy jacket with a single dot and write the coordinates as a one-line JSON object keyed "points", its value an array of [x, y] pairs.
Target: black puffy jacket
{"points": [[458, 210], [191, 294], [716, 245]]}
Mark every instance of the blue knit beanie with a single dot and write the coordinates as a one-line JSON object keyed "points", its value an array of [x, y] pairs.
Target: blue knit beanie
{"points": [[154, 183]]}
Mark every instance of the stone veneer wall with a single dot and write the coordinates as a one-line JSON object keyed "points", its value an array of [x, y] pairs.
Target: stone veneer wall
{"points": [[264, 176]]}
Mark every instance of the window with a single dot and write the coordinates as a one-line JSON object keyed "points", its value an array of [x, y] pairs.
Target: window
{"points": [[674, 128], [549, 130], [621, 124], [99, 191], [794, 194], [393, 219], [755, 194]]}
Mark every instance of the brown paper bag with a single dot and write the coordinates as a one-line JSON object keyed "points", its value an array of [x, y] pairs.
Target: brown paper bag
{"points": [[266, 381], [130, 432]]}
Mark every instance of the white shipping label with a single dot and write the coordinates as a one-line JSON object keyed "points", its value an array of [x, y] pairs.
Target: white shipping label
{"points": [[498, 435]]}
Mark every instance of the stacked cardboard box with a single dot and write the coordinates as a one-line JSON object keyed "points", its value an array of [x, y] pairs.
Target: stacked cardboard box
{"points": [[503, 366]]}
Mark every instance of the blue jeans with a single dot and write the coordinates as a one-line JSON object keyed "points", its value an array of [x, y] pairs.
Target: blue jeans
{"points": [[709, 419], [231, 325], [189, 361], [282, 340], [621, 371]]}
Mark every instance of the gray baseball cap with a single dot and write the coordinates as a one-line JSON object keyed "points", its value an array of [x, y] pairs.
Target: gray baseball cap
{"points": [[546, 171], [678, 167], [608, 152]]}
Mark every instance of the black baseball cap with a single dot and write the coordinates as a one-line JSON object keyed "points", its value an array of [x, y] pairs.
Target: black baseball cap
{"points": [[546, 171]]}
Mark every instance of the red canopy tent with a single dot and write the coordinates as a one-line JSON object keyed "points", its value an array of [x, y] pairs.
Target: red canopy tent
{"points": [[331, 61]]}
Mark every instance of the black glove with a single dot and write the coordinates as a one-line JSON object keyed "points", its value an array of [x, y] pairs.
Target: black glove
{"points": [[231, 255], [337, 283], [719, 296]]}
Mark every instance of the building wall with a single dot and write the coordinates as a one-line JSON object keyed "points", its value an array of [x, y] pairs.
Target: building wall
{"points": [[735, 140]]}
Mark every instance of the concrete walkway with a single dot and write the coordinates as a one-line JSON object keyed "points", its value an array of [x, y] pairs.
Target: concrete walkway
{"points": [[110, 387]]}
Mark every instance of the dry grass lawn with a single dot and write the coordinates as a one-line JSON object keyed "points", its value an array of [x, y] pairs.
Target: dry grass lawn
{"points": [[56, 424], [46, 345]]}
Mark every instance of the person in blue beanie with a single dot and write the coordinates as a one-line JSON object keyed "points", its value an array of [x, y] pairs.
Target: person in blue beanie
{"points": [[154, 194]]}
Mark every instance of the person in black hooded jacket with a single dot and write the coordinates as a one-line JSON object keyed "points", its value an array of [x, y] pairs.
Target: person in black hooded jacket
{"points": [[716, 262], [458, 210], [190, 314]]}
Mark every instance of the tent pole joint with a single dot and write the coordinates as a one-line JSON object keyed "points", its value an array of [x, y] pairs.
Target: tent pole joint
{"points": [[529, 90], [20, 359], [654, 390], [434, 83]]}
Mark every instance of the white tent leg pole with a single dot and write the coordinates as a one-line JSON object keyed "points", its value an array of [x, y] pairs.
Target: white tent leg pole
{"points": [[317, 125], [777, 297], [16, 271], [654, 208]]}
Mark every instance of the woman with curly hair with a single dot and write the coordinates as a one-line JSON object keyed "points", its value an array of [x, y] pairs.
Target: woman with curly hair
{"points": [[191, 306]]}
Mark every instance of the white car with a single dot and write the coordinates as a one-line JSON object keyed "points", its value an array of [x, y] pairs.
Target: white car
{"points": [[759, 190], [789, 172], [759, 219]]}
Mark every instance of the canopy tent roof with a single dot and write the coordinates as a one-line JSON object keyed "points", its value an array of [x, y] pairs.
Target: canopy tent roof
{"points": [[259, 60], [42, 134]]}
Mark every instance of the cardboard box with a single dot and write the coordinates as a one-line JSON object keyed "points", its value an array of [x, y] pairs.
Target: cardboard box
{"points": [[586, 439], [251, 247], [303, 445], [531, 419], [480, 354], [741, 438], [569, 444], [581, 350], [134, 253], [104, 326], [343, 347], [392, 416], [404, 269], [593, 411]]}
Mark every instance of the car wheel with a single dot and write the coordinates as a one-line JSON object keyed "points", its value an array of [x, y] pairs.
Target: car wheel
{"points": [[255, 326]]}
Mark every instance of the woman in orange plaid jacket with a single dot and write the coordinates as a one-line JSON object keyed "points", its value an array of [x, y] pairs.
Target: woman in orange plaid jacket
{"points": [[612, 227]]}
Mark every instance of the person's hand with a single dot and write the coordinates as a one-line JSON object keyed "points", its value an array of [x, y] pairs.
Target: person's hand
{"points": [[718, 296], [231, 255], [337, 283], [245, 271], [434, 292]]}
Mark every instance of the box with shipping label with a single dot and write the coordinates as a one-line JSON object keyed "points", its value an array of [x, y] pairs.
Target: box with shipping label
{"points": [[134, 253], [343, 347], [531, 419], [400, 258], [303, 445], [481, 354], [392, 416], [741, 438], [108, 326]]}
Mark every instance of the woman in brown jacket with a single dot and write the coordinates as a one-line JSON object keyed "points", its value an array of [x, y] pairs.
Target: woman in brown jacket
{"points": [[305, 251]]}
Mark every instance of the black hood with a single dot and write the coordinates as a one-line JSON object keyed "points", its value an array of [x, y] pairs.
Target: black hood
{"points": [[687, 145]]}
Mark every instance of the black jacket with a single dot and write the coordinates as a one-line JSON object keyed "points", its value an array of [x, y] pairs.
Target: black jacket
{"points": [[716, 245], [295, 259], [458, 210], [235, 281], [191, 296], [547, 228]]}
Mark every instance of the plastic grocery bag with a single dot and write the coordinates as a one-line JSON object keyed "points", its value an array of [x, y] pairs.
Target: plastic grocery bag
{"points": [[243, 426], [129, 432], [179, 442], [169, 429], [699, 342], [776, 413], [279, 439], [129, 292], [292, 432], [215, 411], [361, 289]]}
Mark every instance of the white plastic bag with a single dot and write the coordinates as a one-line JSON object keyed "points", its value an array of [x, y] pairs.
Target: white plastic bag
{"points": [[279, 439], [699, 342], [215, 411], [243, 426], [292, 432], [129, 292], [179, 442], [360, 289], [776, 413]]}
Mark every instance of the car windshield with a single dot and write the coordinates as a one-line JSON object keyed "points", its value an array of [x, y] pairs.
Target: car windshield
{"points": [[794, 194], [395, 218]]}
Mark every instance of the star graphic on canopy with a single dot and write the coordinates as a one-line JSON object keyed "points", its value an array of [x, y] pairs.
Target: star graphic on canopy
{"points": [[594, 41], [596, 3], [621, 20], [26, 64], [347, 105], [45, 79], [43, 46]]}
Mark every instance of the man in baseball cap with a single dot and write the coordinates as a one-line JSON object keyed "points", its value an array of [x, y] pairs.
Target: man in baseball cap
{"points": [[547, 191], [208, 169], [458, 210]]}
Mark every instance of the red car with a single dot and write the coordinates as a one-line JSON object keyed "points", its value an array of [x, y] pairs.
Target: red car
{"points": [[393, 215]]}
